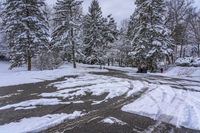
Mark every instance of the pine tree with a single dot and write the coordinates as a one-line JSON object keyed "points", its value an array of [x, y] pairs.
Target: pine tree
{"points": [[3, 47], [110, 29], [26, 30], [132, 23], [68, 24], [93, 34], [110, 35], [151, 41], [124, 45]]}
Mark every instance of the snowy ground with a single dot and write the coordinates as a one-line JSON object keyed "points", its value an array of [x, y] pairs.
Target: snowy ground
{"points": [[22, 76], [161, 102], [71, 90], [116, 97], [184, 72], [96, 86]]}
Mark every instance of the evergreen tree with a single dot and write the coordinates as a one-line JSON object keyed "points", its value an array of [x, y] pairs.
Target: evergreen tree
{"points": [[151, 41], [3, 47], [124, 45], [110, 35], [45, 59], [131, 26], [68, 23], [93, 34], [110, 30], [26, 30]]}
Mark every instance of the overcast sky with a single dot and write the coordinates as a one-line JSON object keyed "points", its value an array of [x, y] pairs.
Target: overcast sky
{"points": [[120, 9]]}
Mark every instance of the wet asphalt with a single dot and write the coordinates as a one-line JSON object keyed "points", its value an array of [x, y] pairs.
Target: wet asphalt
{"points": [[91, 122]]}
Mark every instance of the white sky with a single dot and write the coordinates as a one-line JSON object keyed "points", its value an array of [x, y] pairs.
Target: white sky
{"points": [[120, 9]]}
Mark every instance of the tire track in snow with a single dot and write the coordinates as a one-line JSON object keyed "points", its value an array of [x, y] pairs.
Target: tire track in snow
{"points": [[98, 113]]}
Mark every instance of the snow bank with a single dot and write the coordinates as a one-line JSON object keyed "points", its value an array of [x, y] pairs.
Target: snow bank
{"points": [[170, 105], [21, 76], [196, 63], [36, 124], [190, 72], [188, 61]]}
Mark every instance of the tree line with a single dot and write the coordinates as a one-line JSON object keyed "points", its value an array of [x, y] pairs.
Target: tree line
{"points": [[157, 31]]}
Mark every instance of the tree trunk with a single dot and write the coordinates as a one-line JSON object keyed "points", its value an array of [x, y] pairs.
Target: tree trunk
{"points": [[73, 54], [120, 62], [198, 50], [112, 62], [73, 43], [29, 60], [100, 64], [108, 62], [168, 59], [29, 43], [176, 52], [172, 58], [181, 51], [184, 53]]}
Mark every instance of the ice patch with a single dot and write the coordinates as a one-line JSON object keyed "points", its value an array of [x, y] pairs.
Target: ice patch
{"points": [[25, 108], [32, 103], [112, 120], [9, 95]]}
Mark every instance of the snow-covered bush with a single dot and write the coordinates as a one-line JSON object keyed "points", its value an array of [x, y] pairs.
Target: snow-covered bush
{"points": [[184, 61], [196, 62], [47, 61], [188, 61]]}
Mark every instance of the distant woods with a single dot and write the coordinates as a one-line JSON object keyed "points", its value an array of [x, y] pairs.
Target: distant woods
{"points": [[33, 34]]}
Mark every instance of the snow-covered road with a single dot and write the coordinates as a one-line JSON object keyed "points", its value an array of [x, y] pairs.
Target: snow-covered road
{"points": [[119, 100]]}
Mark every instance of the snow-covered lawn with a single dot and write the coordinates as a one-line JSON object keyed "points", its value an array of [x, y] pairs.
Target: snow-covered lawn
{"points": [[184, 72], [188, 61], [36, 124], [22, 76], [161, 102]]}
